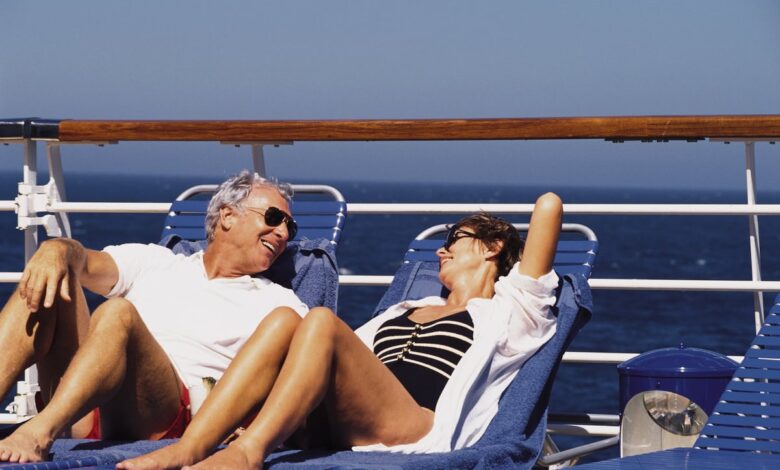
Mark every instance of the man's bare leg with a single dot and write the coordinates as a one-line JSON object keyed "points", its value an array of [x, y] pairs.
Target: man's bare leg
{"points": [[244, 387], [120, 360], [48, 338], [366, 403]]}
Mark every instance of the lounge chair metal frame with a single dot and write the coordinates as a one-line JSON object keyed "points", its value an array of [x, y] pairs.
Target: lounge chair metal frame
{"points": [[316, 219]]}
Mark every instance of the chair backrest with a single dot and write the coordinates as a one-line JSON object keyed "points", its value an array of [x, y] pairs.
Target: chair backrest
{"points": [[518, 428], [418, 276], [521, 420], [571, 256], [747, 417], [316, 219]]}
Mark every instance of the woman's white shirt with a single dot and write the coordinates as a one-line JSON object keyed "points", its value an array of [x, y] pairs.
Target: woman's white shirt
{"points": [[508, 329]]}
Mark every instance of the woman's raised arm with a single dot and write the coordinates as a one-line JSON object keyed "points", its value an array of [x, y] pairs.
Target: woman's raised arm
{"points": [[542, 238]]}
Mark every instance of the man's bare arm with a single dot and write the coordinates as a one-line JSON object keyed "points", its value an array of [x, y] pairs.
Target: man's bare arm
{"points": [[48, 272]]}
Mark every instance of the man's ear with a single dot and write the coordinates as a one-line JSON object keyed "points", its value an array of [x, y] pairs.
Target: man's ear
{"points": [[227, 216]]}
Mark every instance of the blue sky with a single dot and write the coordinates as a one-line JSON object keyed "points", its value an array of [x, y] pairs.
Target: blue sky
{"points": [[400, 59]]}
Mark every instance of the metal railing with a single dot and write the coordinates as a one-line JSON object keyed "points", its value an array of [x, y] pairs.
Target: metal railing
{"points": [[50, 200]]}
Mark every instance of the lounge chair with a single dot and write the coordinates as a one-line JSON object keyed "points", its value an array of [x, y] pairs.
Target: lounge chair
{"points": [[747, 417], [316, 219], [744, 428], [512, 440], [308, 265]]}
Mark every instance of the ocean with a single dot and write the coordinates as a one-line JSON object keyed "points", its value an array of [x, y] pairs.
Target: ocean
{"points": [[656, 247]]}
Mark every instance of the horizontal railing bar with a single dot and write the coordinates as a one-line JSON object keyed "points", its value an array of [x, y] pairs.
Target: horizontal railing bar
{"points": [[583, 418], [572, 429], [613, 128], [685, 285], [569, 209], [617, 284], [108, 207], [590, 357], [102, 207], [364, 280], [573, 357], [425, 208]]}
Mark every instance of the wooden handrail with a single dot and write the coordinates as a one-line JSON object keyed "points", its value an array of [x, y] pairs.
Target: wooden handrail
{"points": [[611, 128]]}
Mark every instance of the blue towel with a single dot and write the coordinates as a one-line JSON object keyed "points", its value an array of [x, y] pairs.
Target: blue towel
{"points": [[512, 440], [413, 280], [308, 267]]}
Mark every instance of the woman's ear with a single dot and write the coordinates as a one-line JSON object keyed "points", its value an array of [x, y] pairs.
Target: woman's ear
{"points": [[491, 253]]}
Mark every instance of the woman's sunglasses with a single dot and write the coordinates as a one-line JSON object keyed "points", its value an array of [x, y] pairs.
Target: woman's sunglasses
{"points": [[273, 217], [455, 235]]}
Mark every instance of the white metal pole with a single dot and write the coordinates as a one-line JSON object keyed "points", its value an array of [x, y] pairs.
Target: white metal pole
{"points": [[26, 389], [258, 159], [57, 181], [755, 246], [30, 177]]}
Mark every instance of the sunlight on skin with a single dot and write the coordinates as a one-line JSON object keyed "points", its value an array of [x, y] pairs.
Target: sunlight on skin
{"points": [[231, 458]]}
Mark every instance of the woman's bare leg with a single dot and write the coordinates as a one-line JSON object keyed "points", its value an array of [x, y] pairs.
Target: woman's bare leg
{"points": [[244, 387], [327, 361]]}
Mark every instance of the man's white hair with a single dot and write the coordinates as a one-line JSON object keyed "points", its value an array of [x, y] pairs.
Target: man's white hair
{"points": [[234, 191]]}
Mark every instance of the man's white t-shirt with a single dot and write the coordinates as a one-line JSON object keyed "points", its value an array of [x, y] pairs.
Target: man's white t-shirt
{"points": [[200, 323]]}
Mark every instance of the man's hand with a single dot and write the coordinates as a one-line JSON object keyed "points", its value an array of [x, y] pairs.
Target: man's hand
{"points": [[48, 273]]}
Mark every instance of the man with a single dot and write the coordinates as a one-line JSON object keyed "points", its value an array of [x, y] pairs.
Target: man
{"points": [[169, 322]]}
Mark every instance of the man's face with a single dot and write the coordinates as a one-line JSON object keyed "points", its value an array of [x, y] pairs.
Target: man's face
{"points": [[259, 244]]}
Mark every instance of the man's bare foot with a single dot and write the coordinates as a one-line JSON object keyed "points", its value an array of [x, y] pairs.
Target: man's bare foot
{"points": [[234, 456], [25, 445], [176, 455]]}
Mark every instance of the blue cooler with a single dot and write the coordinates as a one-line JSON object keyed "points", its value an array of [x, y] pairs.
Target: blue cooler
{"points": [[697, 374]]}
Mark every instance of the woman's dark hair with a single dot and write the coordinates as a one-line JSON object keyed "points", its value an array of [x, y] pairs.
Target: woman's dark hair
{"points": [[491, 231]]}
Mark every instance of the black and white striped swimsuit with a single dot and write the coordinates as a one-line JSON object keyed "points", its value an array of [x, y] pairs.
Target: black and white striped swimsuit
{"points": [[423, 355]]}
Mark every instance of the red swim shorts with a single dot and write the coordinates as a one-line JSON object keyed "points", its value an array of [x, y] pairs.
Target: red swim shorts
{"points": [[175, 429]]}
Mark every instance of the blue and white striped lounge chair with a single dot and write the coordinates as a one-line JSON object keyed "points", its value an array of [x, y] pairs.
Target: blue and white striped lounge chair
{"points": [[747, 417], [308, 265], [744, 428], [317, 219], [421, 265], [512, 440]]}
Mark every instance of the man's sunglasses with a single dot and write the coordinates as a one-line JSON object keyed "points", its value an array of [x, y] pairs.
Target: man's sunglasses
{"points": [[455, 235], [273, 217]]}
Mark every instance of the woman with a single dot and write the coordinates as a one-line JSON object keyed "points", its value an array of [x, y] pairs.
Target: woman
{"points": [[467, 347]]}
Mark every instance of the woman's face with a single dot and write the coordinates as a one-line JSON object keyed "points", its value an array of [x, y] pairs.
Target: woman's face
{"points": [[464, 255]]}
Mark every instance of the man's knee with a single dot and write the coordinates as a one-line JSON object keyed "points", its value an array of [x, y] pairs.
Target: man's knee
{"points": [[322, 320], [117, 313], [281, 318]]}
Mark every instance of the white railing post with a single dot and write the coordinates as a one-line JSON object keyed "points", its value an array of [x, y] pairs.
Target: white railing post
{"points": [[258, 159], [30, 178], [755, 245], [258, 155], [56, 186], [23, 406]]}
